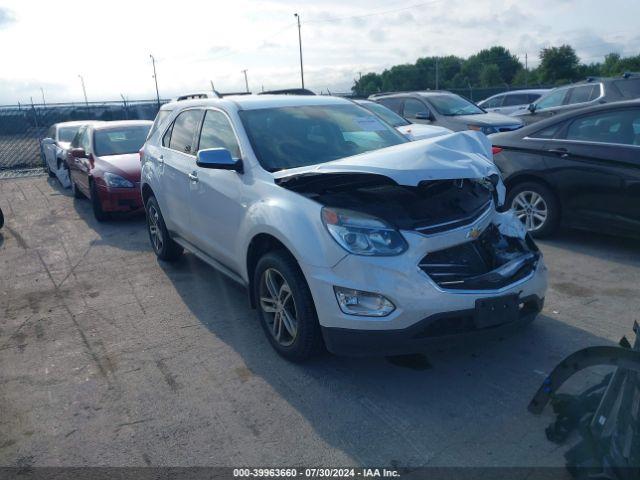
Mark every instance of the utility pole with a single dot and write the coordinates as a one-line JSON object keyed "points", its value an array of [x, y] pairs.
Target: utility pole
{"points": [[155, 78], [246, 82], [126, 111], [300, 45], [526, 70], [437, 73], [84, 90], [44, 104]]}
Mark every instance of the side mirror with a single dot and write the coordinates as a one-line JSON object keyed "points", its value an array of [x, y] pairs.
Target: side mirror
{"points": [[532, 107], [218, 158], [48, 141], [423, 116], [78, 153]]}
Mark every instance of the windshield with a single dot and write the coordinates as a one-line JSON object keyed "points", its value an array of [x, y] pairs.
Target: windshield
{"points": [[452, 105], [118, 141], [384, 113], [66, 134], [290, 137]]}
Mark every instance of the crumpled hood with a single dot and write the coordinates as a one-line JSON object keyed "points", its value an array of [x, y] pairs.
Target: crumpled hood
{"points": [[464, 154]]}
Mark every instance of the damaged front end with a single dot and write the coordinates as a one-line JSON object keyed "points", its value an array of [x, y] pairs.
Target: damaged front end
{"points": [[500, 254], [433, 188]]}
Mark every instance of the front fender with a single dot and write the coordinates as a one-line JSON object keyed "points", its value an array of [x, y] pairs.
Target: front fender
{"points": [[296, 222]]}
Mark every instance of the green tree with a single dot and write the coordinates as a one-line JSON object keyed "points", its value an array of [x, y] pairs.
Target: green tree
{"points": [[559, 65], [367, 84], [490, 76]]}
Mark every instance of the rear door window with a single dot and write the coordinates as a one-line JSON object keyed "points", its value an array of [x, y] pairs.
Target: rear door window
{"points": [[547, 132], [618, 127], [494, 102], [183, 131], [514, 99], [394, 104]]}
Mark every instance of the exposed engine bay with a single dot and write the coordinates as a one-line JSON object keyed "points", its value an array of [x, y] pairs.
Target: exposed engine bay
{"points": [[431, 207]]}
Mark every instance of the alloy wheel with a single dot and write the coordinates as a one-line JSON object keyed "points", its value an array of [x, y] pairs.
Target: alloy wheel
{"points": [[278, 306], [154, 229], [531, 208]]}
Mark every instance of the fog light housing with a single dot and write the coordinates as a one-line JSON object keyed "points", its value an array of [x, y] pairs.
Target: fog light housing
{"points": [[364, 304]]}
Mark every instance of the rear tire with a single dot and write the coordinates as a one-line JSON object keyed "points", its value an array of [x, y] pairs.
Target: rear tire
{"points": [[285, 307], [98, 212], [536, 206], [163, 245]]}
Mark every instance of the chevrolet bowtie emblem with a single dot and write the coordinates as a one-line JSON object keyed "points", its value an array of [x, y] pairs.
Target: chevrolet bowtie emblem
{"points": [[474, 233]]}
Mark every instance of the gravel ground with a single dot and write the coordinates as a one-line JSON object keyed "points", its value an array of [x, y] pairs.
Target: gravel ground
{"points": [[108, 357]]}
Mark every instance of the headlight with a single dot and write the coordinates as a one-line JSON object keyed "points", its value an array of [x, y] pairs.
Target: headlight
{"points": [[113, 180], [484, 129], [362, 234]]}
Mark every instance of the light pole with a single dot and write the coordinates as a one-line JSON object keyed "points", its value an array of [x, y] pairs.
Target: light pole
{"points": [[43, 101], [155, 78], [246, 82], [84, 90], [300, 45]]}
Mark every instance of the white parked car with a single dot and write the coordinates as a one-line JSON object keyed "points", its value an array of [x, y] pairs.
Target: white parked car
{"points": [[344, 232], [512, 102], [413, 131], [55, 145]]}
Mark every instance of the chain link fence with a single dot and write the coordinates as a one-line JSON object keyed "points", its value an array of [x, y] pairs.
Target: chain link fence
{"points": [[23, 126]]}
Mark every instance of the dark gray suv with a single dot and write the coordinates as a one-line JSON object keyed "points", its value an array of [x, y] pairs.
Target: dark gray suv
{"points": [[446, 109], [592, 91]]}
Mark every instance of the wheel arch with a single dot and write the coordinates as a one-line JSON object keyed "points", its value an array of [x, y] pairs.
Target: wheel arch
{"points": [[146, 192], [259, 245], [515, 180]]}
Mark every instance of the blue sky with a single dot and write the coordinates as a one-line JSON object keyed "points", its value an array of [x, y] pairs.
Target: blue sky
{"points": [[48, 44]]}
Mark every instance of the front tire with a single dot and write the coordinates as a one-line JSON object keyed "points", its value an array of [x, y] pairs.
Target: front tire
{"points": [[536, 206], [285, 307], [98, 212], [163, 245], [74, 188]]}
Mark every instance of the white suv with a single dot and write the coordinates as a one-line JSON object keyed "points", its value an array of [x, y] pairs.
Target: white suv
{"points": [[345, 233]]}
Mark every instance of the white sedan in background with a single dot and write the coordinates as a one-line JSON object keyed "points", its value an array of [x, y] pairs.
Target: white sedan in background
{"points": [[413, 131], [55, 145]]}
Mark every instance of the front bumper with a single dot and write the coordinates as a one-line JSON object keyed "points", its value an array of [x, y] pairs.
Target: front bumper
{"points": [[120, 199], [438, 329], [425, 312]]}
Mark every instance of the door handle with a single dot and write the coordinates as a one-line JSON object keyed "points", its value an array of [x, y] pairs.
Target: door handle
{"points": [[193, 177], [562, 152]]}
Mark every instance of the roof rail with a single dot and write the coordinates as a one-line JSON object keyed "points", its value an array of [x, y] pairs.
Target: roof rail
{"points": [[197, 96], [288, 91], [226, 94]]}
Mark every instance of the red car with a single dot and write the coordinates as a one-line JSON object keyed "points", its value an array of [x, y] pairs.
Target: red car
{"points": [[104, 165]]}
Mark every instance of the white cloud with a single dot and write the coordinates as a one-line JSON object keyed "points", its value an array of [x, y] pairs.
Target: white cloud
{"points": [[196, 42]]}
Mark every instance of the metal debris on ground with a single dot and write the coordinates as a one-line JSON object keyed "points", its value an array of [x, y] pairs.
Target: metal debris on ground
{"points": [[606, 416]]}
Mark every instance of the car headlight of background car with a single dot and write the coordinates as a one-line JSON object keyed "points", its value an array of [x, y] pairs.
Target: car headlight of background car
{"points": [[116, 181], [487, 130], [362, 234]]}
